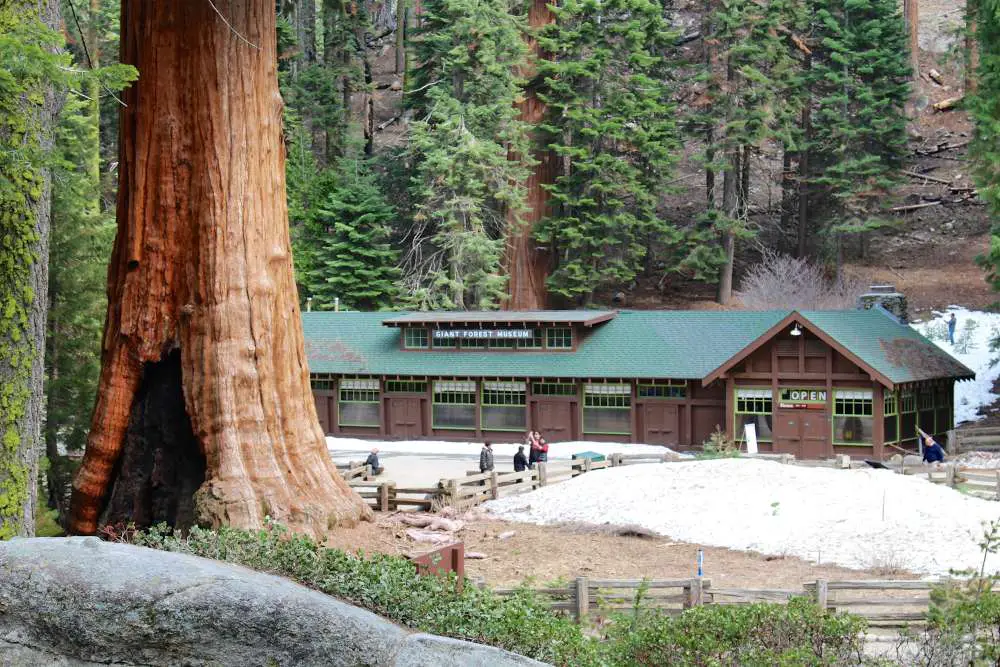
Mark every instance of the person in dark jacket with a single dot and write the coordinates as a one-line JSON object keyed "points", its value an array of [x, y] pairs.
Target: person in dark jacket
{"points": [[486, 457], [373, 461], [520, 460], [933, 452]]}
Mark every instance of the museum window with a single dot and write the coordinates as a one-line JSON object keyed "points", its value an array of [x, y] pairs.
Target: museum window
{"points": [[853, 416], [536, 342], [890, 427], [359, 401], [503, 406], [406, 386], [553, 389], [607, 409], [415, 339], [925, 410], [321, 383], [454, 405], [907, 415], [663, 389], [446, 343], [559, 338], [755, 406]]}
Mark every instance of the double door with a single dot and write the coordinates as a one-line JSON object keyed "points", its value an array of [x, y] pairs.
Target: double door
{"points": [[804, 433], [406, 417]]}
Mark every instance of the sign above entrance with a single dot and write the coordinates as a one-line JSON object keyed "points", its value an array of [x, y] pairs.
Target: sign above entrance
{"points": [[809, 399], [484, 333]]}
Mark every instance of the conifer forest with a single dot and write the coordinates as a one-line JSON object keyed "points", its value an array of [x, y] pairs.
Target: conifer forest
{"points": [[437, 155]]}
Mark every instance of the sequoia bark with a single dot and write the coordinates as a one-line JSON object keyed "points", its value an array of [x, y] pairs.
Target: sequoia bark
{"points": [[201, 277], [526, 264]]}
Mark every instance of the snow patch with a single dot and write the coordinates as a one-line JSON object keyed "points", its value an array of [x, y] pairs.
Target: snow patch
{"points": [[861, 518], [973, 332], [557, 450]]}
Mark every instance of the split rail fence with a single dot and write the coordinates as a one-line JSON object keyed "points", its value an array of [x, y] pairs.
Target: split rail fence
{"points": [[884, 604], [476, 488], [974, 438]]}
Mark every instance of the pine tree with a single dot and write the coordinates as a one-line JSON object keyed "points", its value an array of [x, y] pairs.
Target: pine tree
{"points": [[463, 184], [985, 108], [751, 76], [859, 84], [80, 242], [353, 260], [611, 122]]}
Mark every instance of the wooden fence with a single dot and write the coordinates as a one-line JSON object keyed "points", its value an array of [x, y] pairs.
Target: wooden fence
{"points": [[981, 482], [889, 604], [974, 438]]}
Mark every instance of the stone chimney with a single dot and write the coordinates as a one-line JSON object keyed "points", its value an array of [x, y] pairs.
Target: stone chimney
{"points": [[887, 297]]}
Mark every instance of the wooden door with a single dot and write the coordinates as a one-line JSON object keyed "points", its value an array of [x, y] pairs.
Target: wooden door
{"points": [[815, 435], [660, 424], [325, 410], [804, 433], [554, 420], [406, 418]]}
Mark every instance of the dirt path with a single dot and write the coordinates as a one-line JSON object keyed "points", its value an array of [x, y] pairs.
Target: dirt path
{"points": [[549, 553]]}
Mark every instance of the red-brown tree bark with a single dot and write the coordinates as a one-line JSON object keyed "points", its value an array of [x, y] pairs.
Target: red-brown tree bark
{"points": [[526, 263], [204, 375]]}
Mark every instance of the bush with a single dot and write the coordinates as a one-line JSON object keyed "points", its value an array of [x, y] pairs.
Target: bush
{"points": [[719, 446], [390, 587], [783, 282], [755, 634]]}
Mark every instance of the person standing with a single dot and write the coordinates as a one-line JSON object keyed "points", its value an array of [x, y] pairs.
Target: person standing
{"points": [[952, 323], [533, 448], [486, 457], [543, 450], [520, 460]]}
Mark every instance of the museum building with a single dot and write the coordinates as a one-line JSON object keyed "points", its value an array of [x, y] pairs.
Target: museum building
{"points": [[812, 383]]}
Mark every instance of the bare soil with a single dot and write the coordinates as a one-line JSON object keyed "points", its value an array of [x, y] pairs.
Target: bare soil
{"points": [[550, 553]]}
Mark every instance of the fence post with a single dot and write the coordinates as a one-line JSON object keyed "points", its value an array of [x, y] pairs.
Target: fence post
{"points": [[392, 496], [494, 484], [952, 447], [998, 485], [383, 497], [586, 464], [613, 460], [582, 599], [694, 591], [453, 492], [950, 475], [822, 594], [542, 475], [368, 472]]}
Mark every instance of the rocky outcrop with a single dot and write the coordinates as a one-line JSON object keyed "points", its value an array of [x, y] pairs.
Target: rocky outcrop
{"points": [[81, 601]]}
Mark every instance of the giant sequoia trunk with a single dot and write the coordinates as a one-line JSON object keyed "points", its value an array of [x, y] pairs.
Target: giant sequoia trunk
{"points": [[526, 263], [204, 382]]}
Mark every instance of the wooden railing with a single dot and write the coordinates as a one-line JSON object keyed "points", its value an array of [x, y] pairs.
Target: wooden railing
{"points": [[891, 604], [975, 438], [981, 482]]}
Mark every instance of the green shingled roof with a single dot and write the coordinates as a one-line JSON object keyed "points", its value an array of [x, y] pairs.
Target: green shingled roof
{"points": [[896, 351], [635, 344]]}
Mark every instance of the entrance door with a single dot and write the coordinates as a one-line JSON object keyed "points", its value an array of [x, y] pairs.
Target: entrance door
{"points": [[325, 411], [406, 417], [804, 433], [554, 420], [659, 424]]}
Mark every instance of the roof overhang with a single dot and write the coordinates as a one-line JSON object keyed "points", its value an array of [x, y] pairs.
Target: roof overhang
{"points": [[586, 318], [795, 317]]}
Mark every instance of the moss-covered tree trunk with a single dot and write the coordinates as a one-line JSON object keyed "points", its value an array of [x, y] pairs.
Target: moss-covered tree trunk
{"points": [[204, 383], [25, 205], [526, 263]]}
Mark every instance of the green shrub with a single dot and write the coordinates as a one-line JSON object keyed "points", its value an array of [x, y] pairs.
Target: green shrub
{"points": [[754, 634], [390, 587], [771, 634]]}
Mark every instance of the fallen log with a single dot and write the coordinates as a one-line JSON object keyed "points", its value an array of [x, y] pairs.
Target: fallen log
{"points": [[926, 177], [936, 77], [914, 207], [940, 148], [948, 104]]}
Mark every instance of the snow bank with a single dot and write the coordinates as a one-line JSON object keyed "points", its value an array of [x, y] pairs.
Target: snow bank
{"points": [[973, 333], [855, 518], [557, 450], [983, 460]]}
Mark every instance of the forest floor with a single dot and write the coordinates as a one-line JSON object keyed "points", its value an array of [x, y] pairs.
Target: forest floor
{"points": [[550, 553]]}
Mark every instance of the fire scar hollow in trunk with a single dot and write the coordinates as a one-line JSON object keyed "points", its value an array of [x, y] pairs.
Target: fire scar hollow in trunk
{"points": [[204, 413]]}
